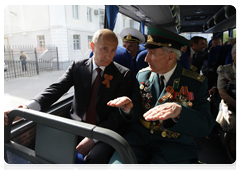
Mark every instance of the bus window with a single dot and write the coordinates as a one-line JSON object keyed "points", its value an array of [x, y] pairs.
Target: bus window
{"points": [[225, 36], [188, 35], [125, 22], [234, 33]]}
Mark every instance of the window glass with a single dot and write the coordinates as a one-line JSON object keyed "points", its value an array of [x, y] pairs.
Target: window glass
{"points": [[89, 41], [58, 33], [75, 11], [89, 14], [234, 33], [101, 18], [188, 36], [124, 22], [76, 42], [225, 36]]}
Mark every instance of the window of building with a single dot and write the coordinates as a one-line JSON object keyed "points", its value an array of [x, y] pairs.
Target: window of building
{"points": [[89, 14], [75, 11], [89, 41], [101, 18], [41, 41], [76, 42]]}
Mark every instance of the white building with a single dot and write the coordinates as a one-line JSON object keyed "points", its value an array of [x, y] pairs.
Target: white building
{"points": [[68, 27]]}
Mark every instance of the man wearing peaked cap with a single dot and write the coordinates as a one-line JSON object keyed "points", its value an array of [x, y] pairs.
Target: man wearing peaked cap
{"points": [[169, 105], [131, 39]]}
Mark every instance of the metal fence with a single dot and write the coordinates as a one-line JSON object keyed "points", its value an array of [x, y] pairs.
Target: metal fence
{"points": [[38, 60]]}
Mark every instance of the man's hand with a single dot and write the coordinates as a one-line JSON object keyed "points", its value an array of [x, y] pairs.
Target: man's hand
{"points": [[6, 119], [212, 91], [124, 103], [85, 146], [163, 112]]}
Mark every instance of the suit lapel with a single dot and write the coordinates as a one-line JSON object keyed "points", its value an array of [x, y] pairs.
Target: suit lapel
{"points": [[154, 86], [87, 76]]}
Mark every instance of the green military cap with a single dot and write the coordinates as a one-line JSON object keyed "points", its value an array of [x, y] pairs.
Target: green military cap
{"points": [[160, 37], [132, 35]]}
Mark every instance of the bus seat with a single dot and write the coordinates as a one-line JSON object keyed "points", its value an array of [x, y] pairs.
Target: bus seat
{"points": [[141, 48], [79, 158], [140, 63], [184, 61], [222, 55], [213, 54], [229, 59]]}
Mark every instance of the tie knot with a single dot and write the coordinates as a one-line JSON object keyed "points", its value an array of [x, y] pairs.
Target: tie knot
{"points": [[98, 70], [162, 77]]}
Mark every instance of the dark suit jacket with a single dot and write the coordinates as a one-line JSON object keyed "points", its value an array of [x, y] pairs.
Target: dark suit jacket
{"points": [[198, 60], [196, 121], [79, 75]]}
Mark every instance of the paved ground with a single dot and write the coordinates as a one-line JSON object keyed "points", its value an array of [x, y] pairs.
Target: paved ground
{"points": [[20, 90]]}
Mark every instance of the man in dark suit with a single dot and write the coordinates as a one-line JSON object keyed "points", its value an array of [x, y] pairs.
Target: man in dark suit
{"points": [[168, 108], [115, 81], [195, 53]]}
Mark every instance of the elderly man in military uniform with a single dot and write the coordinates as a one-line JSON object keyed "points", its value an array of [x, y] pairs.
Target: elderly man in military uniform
{"points": [[131, 39], [169, 106]]}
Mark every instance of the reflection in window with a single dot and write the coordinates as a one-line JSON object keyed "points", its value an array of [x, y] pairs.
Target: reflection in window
{"points": [[89, 41], [76, 42], [89, 14], [75, 11]]}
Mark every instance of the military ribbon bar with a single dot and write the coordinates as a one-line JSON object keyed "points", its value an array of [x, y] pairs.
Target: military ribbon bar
{"points": [[107, 80], [190, 96], [184, 90]]}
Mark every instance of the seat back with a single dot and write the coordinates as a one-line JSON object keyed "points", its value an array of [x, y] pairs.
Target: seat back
{"points": [[140, 63], [55, 145], [212, 56], [222, 55], [229, 59], [184, 61]]}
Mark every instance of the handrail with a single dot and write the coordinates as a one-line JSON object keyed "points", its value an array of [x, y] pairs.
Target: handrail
{"points": [[74, 127]]}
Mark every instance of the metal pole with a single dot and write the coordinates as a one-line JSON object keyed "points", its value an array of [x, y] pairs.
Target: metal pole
{"points": [[14, 64], [57, 58], [37, 68]]}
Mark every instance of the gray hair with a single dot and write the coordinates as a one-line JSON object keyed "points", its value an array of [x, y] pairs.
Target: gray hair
{"points": [[98, 34], [233, 49], [177, 52]]}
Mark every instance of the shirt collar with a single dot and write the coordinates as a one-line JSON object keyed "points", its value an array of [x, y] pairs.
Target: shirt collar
{"points": [[95, 66], [168, 74], [191, 52]]}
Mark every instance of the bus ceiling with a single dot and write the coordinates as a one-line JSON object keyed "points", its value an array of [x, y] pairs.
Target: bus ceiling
{"points": [[184, 18]]}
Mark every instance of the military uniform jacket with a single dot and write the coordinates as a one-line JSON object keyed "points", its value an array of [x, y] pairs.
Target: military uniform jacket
{"points": [[195, 121]]}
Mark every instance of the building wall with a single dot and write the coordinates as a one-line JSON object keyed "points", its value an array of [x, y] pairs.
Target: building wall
{"points": [[22, 25]]}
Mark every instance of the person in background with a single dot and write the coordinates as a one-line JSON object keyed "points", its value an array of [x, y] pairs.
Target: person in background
{"points": [[195, 53], [227, 109], [169, 106], [23, 58], [96, 81], [132, 38]]}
